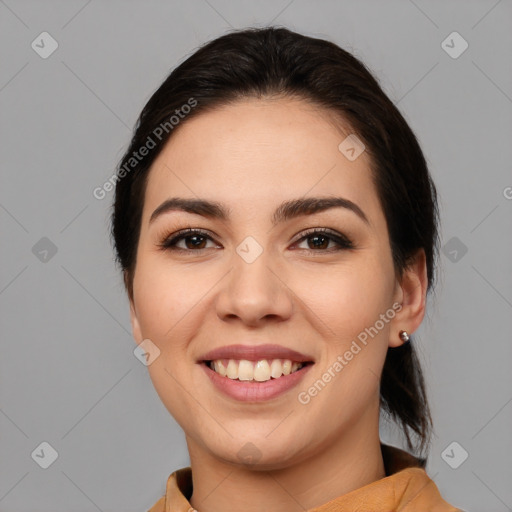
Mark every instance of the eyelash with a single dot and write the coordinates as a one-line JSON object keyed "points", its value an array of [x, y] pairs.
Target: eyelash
{"points": [[344, 243]]}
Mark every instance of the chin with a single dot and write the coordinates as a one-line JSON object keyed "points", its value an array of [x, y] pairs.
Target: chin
{"points": [[259, 453]]}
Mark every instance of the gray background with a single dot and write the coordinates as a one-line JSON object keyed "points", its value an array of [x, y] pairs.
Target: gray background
{"points": [[68, 373]]}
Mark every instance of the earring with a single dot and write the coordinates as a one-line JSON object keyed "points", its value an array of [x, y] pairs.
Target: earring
{"points": [[404, 336]]}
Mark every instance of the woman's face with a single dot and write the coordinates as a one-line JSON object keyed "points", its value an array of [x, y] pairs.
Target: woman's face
{"points": [[261, 276]]}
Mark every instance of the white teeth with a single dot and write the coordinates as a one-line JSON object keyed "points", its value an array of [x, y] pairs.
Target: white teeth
{"points": [[295, 367], [219, 367], [245, 370], [276, 369], [259, 371], [232, 369]]}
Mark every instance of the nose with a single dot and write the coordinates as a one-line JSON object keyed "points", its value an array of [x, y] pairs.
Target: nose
{"points": [[254, 293]]}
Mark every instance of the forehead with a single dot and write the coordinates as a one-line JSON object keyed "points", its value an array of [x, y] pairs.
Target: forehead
{"points": [[254, 152]]}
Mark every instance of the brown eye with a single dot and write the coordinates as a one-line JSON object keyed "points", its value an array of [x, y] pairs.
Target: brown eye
{"points": [[188, 240], [194, 241], [319, 240]]}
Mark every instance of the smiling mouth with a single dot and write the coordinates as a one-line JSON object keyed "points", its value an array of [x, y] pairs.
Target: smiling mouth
{"points": [[256, 371]]}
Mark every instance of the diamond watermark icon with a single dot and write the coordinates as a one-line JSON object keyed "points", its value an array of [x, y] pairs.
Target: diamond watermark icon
{"points": [[44, 45], [454, 249], [44, 455], [454, 45], [454, 455], [352, 147], [146, 352], [249, 250], [249, 453], [44, 250]]}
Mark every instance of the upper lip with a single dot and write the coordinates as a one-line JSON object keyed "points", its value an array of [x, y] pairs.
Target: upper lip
{"points": [[255, 353]]}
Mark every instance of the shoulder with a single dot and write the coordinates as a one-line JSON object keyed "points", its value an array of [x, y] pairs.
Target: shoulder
{"points": [[159, 506]]}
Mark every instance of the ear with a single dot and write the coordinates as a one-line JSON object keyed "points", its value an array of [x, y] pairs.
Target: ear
{"points": [[411, 293], [136, 330], [137, 333]]}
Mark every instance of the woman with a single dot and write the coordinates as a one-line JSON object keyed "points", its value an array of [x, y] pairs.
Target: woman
{"points": [[276, 225]]}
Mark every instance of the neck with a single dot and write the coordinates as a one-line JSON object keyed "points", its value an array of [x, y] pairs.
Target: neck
{"points": [[353, 461]]}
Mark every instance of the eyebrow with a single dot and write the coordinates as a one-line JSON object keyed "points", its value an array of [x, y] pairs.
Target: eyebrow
{"points": [[286, 211]]}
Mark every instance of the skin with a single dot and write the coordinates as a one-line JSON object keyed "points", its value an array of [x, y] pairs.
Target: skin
{"points": [[251, 156]]}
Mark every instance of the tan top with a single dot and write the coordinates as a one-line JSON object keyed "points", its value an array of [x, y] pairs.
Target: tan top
{"points": [[406, 488]]}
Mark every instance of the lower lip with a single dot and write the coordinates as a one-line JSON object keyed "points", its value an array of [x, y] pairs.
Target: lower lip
{"points": [[253, 391]]}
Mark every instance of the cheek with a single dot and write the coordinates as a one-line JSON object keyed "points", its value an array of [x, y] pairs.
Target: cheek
{"points": [[347, 298], [163, 297]]}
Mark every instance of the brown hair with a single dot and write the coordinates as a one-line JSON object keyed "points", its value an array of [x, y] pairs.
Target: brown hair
{"points": [[276, 61]]}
